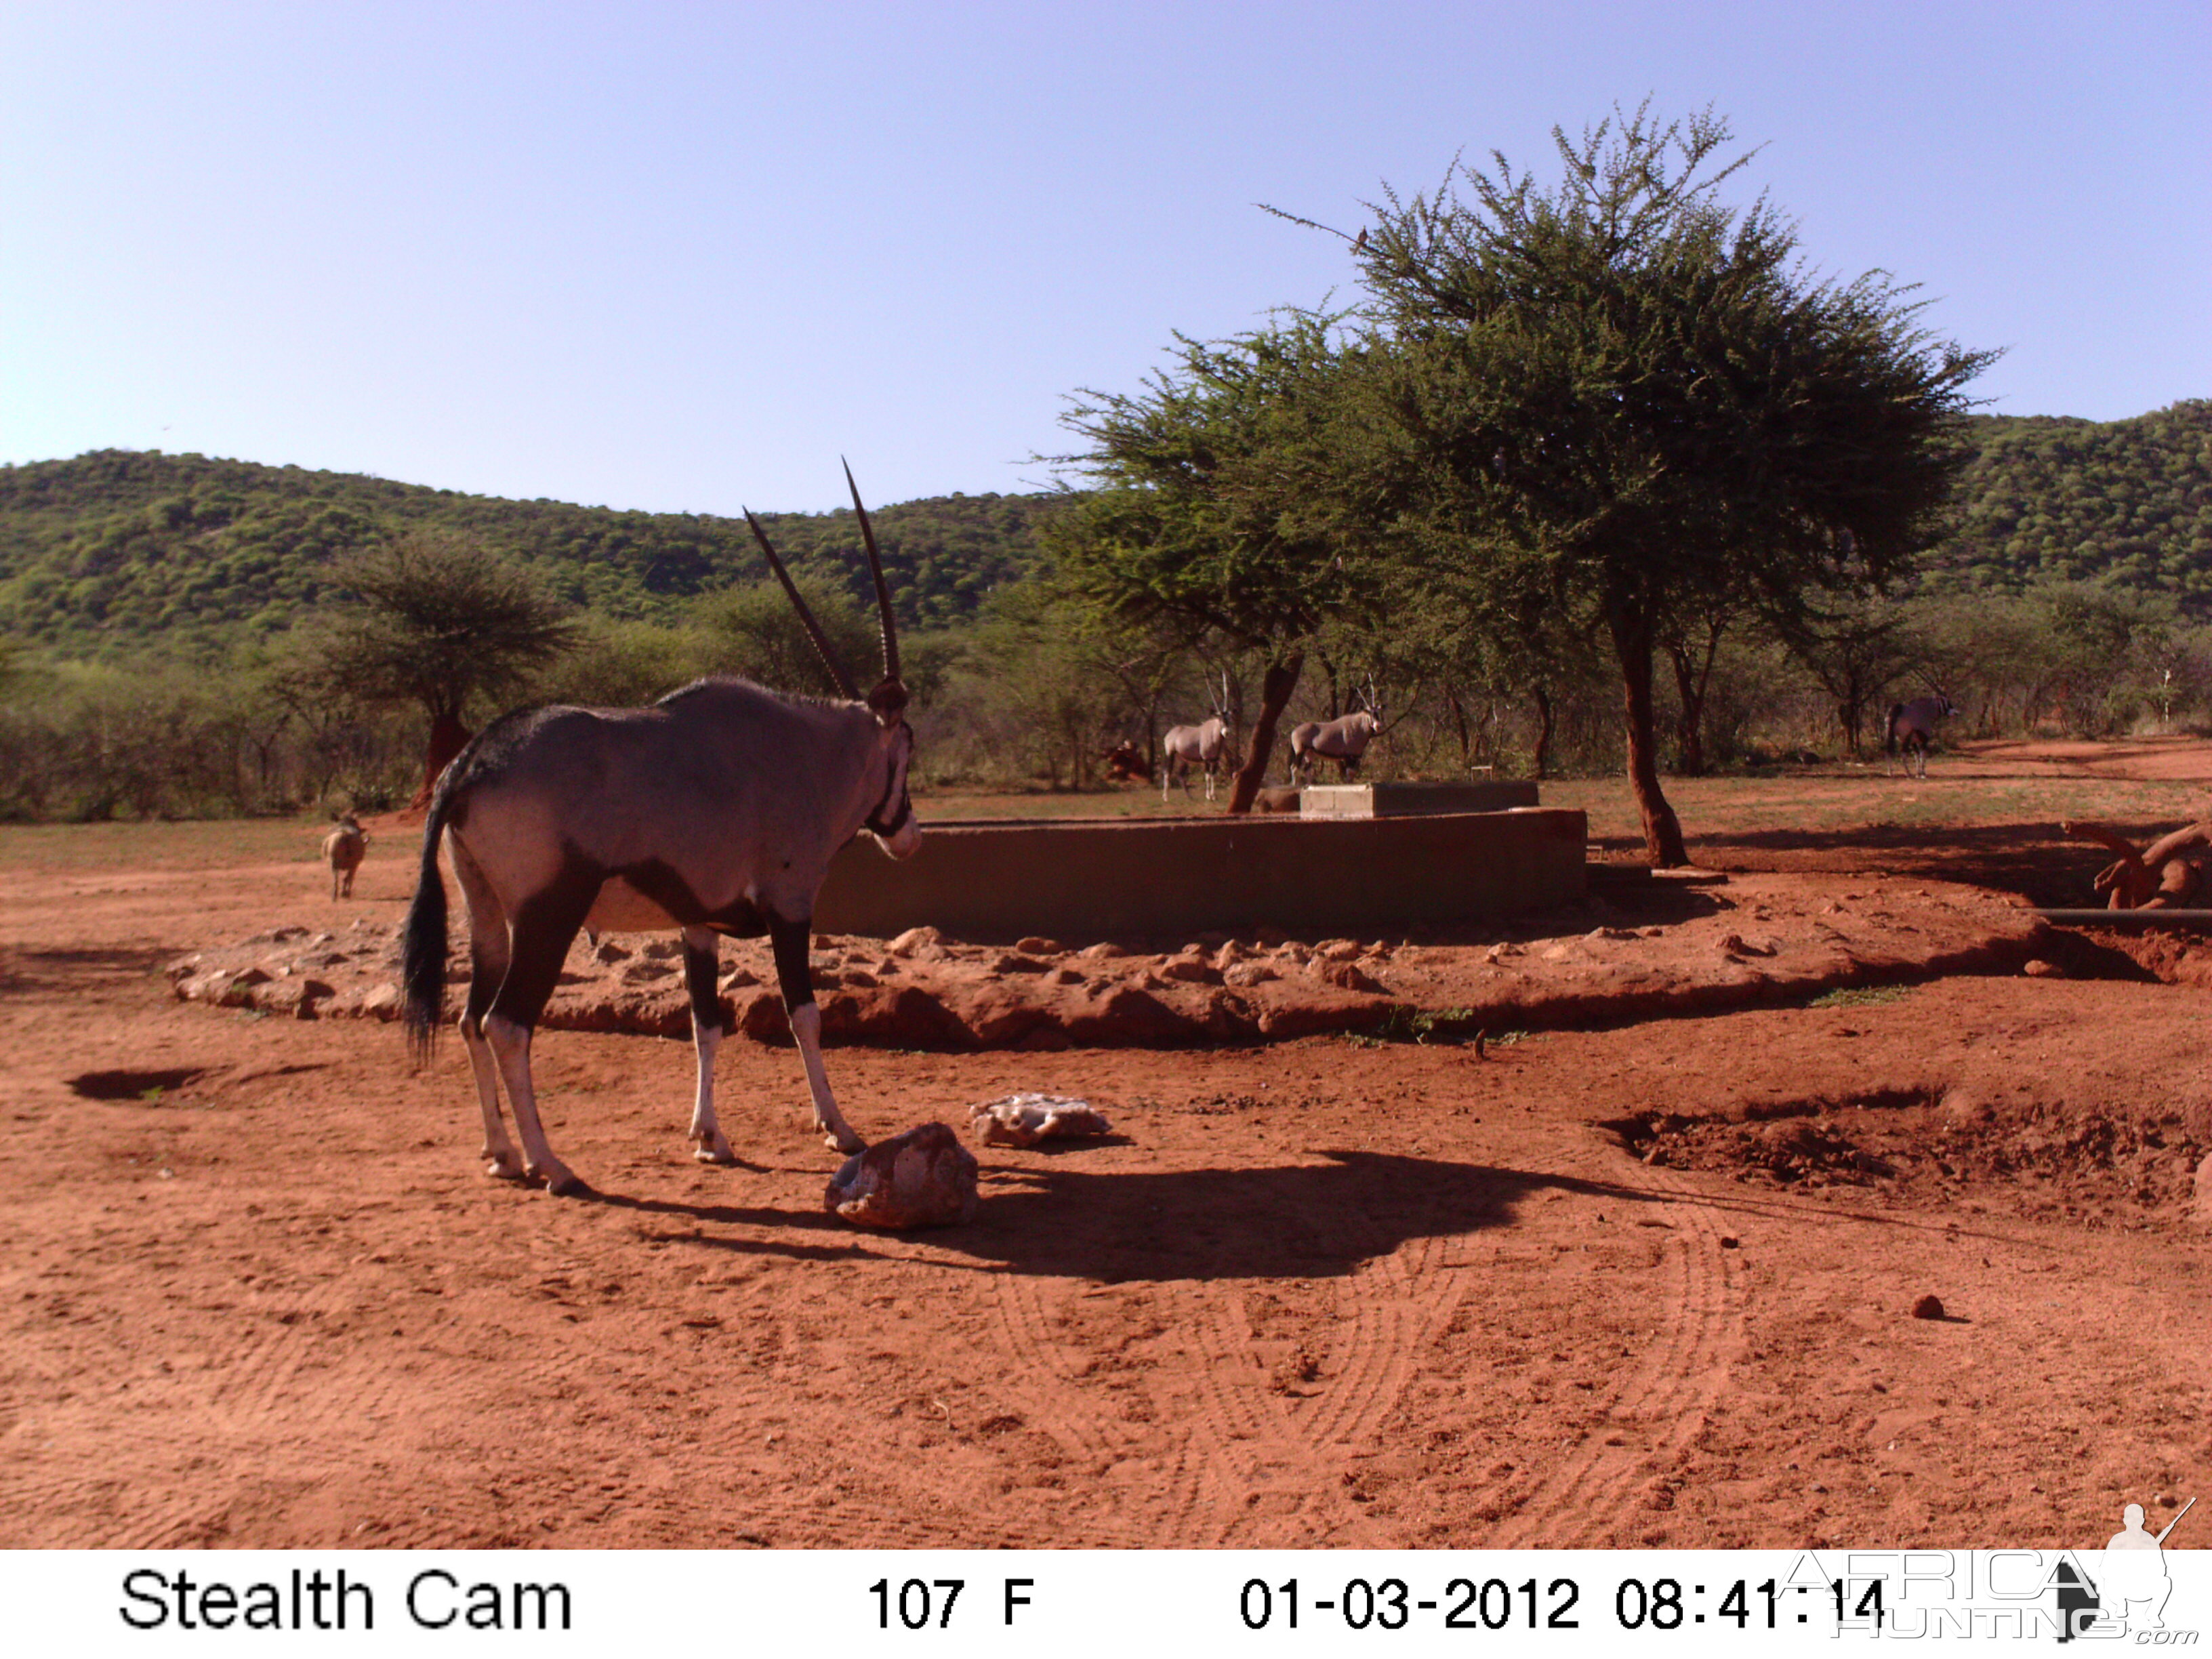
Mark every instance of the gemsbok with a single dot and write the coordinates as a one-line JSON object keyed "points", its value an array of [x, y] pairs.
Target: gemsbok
{"points": [[1343, 740], [1204, 745], [1911, 728], [714, 811]]}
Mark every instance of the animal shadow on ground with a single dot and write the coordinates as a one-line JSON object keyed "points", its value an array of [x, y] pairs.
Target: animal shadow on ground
{"points": [[2044, 867], [78, 969], [1309, 1221]]}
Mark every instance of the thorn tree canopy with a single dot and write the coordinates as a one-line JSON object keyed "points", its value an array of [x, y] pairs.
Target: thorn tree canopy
{"points": [[445, 621], [1206, 508], [1623, 398]]}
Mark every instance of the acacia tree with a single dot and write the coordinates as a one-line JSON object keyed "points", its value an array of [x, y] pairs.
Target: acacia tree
{"points": [[1621, 399], [444, 620], [1205, 508]]}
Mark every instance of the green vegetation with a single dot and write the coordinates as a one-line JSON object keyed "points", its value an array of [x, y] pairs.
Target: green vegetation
{"points": [[115, 552], [1580, 448], [2128, 501]]}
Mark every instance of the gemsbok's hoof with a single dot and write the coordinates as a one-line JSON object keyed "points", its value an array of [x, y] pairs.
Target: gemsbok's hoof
{"points": [[503, 1168], [559, 1180], [717, 1150], [850, 1144]]}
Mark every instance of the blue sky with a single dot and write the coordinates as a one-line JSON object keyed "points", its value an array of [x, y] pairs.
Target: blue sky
{"points": [[680, 258]]}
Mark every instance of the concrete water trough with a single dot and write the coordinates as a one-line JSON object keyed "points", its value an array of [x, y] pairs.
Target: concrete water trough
{"points": [[1078, 881]]}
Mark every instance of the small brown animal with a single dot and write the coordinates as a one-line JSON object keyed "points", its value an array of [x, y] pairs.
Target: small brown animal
{"points": [[1125, 762], [343, 850]]}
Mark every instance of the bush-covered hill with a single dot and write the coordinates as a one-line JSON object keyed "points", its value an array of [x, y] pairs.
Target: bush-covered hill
{"points": [[2072, 500], [118, 550], [111, 551]]}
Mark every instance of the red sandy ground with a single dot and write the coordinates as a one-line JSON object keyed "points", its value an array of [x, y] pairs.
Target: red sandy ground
{"points": [[1648, 1284]]}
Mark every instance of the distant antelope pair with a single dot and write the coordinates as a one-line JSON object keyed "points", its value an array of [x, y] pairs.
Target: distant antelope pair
{"points": [[715, 811]]}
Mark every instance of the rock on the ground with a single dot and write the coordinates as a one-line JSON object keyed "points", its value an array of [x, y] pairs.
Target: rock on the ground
{"points": [[923, 1178], [1025, 1120]]}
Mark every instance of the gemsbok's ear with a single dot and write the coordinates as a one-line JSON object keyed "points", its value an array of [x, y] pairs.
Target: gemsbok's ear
{"points": [[888, 703]]}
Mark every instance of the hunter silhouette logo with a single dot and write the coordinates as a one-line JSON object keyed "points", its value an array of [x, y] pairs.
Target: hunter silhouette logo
{"points": [[2127, 1586]]}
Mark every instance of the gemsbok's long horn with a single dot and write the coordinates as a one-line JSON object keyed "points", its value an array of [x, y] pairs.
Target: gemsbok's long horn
{"points": [[830, 658], [876, 569]]}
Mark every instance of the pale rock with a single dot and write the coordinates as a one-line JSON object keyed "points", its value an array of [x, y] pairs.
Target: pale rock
{"points": [[1026, 1119], [913, 940]]}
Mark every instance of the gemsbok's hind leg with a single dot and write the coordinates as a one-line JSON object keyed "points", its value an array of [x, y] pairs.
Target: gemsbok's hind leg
{"points": [[544, 927], [488, 960], [702, 965], [789, 940]]}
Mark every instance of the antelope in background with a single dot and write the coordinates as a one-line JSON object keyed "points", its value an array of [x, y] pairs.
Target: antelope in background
{"points": [[714, 811], [343, 849], [1343, 740], [1203, 746], [1911, 728]]}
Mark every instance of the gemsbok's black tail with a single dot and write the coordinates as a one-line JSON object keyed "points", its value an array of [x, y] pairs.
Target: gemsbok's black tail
{"points": [[423, 942]]}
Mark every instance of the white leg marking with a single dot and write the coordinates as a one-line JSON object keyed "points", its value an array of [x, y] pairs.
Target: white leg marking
{"points": [[709, 1144], [806, 1029], [510, 1044], [497, 1146]]}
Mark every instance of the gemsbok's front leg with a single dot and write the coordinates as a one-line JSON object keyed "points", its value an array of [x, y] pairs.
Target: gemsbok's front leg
{"points": [[702, 965], [789, 940]]}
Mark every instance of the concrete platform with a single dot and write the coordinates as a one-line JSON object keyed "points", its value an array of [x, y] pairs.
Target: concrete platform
{"points": [[1394, 800], [1082, 881]]}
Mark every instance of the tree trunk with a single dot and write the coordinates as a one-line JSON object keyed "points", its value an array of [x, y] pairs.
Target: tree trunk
{"points": [[1663, 831], [1547, 722], [1692, 680], [1275, 687], [448, 737]]}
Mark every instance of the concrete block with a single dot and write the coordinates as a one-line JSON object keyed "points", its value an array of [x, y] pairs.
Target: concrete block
{"points": [[1392, 800]]}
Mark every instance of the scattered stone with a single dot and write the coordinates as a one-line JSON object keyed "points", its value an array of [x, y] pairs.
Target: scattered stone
{"points": [[915, 939], [2036, 968], [1104, 950], [1024, 1120], [923, 1178], [647, 973], [1350, 977], [384, 1002], [607, 950], [1190, 970], [1731, 1242], [1035, 946], [1929, 1307], [1246, 975], [738, 979], [1337, 950]]}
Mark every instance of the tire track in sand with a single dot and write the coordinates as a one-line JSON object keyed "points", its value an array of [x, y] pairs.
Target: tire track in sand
{"points": [[1243, 1462], [1671, 1391]]}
